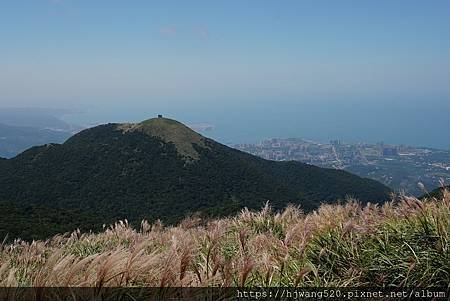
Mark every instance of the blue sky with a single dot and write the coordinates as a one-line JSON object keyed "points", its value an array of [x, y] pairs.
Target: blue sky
{"points": [[198, 60]]}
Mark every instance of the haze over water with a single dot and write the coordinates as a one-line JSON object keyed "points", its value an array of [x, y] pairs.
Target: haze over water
{"points": [[420, 125], [351, 70]]}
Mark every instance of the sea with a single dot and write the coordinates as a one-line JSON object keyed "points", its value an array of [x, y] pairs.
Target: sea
{"points": [[418, 124]]}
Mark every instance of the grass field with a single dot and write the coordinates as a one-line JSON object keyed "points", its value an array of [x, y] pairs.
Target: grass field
{"points": [[401, 243]]}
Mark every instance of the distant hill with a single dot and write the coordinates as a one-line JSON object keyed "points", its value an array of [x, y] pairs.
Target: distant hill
{"points": [[155, 169], [15, 139]]}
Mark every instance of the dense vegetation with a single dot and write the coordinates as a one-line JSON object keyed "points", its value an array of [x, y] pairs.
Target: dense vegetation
{"points": [[114, 172], [404, 243]]}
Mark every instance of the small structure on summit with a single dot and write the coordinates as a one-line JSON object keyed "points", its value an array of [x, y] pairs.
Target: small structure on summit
{"points": [[160, 116]]}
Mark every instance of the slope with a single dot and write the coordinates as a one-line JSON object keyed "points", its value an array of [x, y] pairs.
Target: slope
{"points": [[161, 169]]}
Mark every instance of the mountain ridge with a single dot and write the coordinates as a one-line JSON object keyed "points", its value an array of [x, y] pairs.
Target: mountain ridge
{"points": [[138, 172]]}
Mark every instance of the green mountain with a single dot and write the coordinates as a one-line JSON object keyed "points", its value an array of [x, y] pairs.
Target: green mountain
{"points": [[157, 169]]}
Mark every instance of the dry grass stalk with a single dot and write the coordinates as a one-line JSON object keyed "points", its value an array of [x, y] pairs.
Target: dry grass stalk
{"points": [[254, 248]]}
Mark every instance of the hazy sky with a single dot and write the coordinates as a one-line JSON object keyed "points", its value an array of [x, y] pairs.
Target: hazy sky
{"points": [[200, 59]]}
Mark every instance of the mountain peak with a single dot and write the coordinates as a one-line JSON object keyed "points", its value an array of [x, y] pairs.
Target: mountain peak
{"points": [[155, 169], [170, 131]]}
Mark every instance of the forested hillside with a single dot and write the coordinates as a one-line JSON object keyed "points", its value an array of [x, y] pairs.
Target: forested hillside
{"points": [[158, 169]]}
